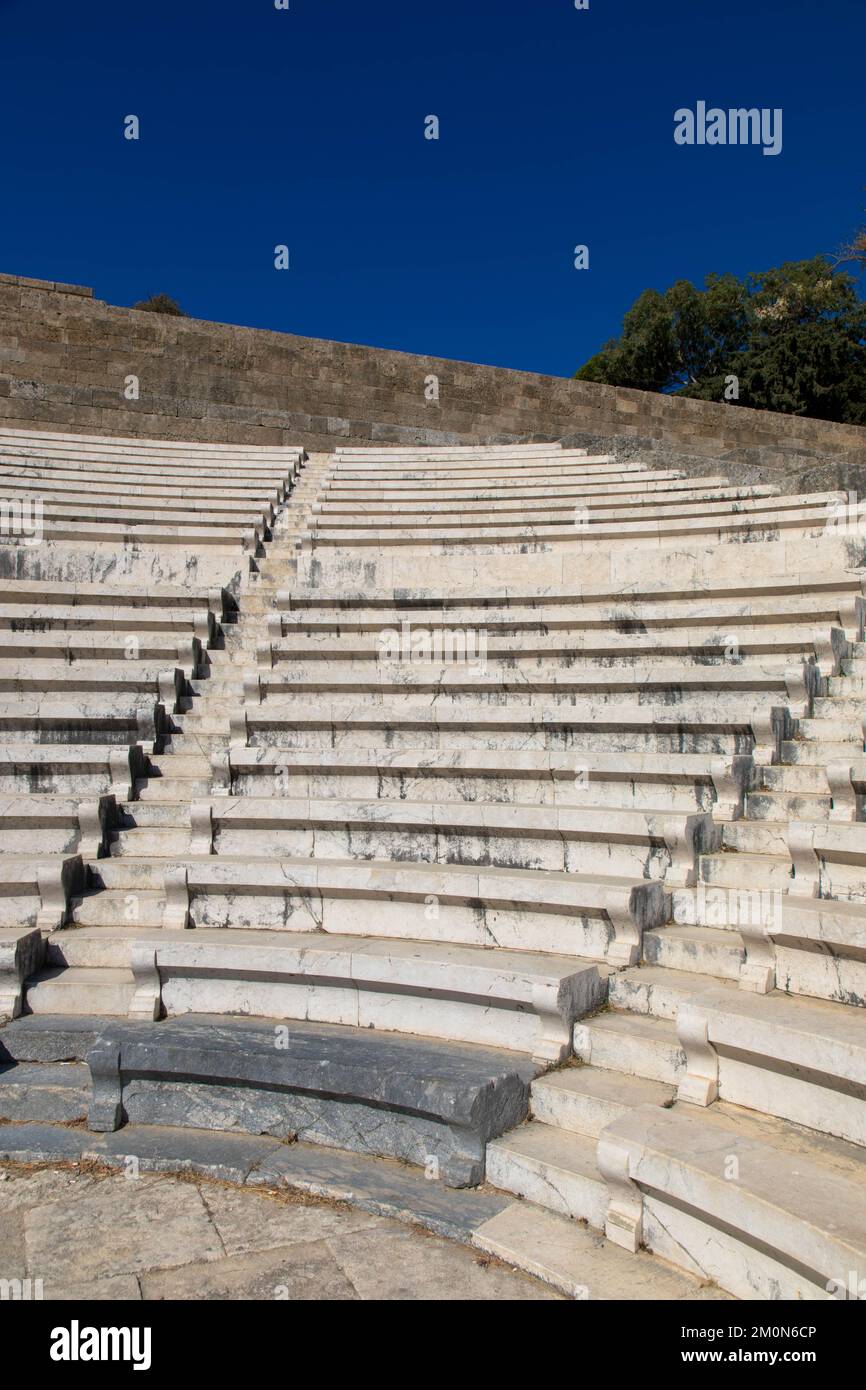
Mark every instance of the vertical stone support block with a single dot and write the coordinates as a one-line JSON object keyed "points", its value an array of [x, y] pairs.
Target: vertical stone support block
{"points": [[807, 866], [624, 1223], [105, 1113], [221, 772], [176, 888], [700, 1084], [146, 1003], [201, 825], [840, 776], [22, 952]]}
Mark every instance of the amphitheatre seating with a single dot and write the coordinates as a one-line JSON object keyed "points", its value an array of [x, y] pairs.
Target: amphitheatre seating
{"points": [[514, 732], [36, 890], [705, 507], [636, 781], [564, 839], [507, 999], [816, 946], [137, 510], [803, 1060], [404, 1097], [99, 644], [72, 768], [597, 917], [829, 859], [670, 1176]]}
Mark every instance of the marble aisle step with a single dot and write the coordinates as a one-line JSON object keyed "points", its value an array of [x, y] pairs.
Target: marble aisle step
{"points": [[714, 952], [61, 990], [551, 1168], [584, 1099], [578, 1262], [634, 1044]]}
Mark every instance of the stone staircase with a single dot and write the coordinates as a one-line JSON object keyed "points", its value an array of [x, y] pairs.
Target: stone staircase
{"points": [[534, 775]]}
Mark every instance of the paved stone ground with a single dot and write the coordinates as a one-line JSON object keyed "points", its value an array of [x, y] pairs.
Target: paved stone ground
{"points": [[95, 1234]]}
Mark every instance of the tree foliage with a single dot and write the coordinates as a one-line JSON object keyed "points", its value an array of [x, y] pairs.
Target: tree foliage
{"points": [[161, 304], [794, 337]]}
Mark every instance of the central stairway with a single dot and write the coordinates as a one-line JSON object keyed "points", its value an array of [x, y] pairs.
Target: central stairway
{"points": [[507, 824]]}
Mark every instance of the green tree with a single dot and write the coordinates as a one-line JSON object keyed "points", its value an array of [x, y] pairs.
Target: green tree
{"points": [[793, 336]]}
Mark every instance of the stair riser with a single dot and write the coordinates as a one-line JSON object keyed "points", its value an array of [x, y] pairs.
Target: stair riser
{"points": [[160, 844], [709, 1252], [133, 909], [97, 997], [173, 789], [739, 871], [783, 806], [756, 837], [526, 850], [23, 1099], [714, 961], [569, 1194], [585, 1115], [775, 1092], [466, 788], [636, 1057], [821, 753], [798, 778]]}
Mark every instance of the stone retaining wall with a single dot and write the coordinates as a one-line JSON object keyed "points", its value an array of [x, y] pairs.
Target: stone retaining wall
{"points": [[65, 357]]}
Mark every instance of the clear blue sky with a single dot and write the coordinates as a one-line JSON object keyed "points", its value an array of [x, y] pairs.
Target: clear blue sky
{"points": [[305, 127]]}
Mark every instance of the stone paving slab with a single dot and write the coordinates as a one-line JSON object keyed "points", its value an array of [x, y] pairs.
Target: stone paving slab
{"points": [[103, 1236]]}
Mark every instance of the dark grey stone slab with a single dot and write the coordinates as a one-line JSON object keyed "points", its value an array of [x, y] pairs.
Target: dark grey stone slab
{"points": [[49, 1038], [44, 1092], [157, 1148], [43, 1143], [424, 1101], [378, 1185]]}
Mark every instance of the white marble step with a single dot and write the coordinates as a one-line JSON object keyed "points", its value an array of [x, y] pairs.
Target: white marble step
{"points": [[820, 752], [732, 869], [552, 1168], [517, 1000], [576, 1262], [765, 1209], [172, 789], [764, 836], [714, 952], [58, 990], [585, 1099], [119, 908], [631, 1043], [787, 805]]}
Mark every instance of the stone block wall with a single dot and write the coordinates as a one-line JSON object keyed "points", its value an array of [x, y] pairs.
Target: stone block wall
{"points": [[64, 358]]}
